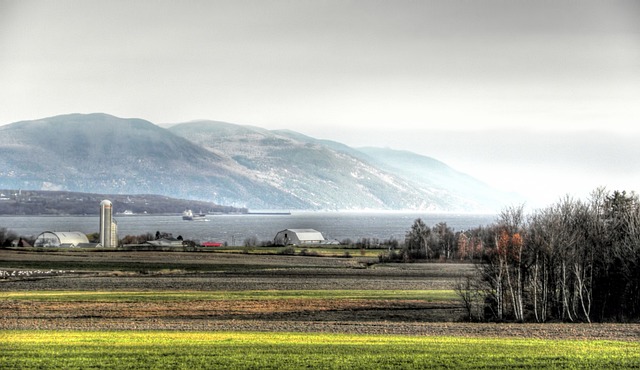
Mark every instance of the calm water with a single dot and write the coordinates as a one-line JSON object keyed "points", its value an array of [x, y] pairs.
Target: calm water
{"points": [[233, 229]]}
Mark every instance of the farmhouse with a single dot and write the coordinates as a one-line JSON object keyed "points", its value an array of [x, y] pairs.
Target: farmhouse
{"points": [[166, 242], [298, 237], [55, 239]]}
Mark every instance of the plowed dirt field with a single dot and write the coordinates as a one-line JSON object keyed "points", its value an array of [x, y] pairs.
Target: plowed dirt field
{"points": [[176, 271]]}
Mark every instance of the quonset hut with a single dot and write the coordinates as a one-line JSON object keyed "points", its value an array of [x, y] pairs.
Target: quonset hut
{"points": [[53, 239], [298, 237]]}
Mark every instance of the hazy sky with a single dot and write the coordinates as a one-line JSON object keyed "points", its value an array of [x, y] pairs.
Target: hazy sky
{"points": [[540, 97]]}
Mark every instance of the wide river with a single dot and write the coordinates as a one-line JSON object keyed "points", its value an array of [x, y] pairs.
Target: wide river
{"points": [[234, 229]]}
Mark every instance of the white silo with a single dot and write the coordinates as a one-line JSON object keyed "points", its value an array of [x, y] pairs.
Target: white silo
{"points": [[107, 231]]}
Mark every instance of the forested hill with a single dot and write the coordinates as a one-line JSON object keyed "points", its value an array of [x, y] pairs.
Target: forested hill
{"points": [[224, 163], [21, 202]]}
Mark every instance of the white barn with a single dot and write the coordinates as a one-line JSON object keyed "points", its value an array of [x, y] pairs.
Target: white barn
{"points": [[298, 237], [55, 239]]}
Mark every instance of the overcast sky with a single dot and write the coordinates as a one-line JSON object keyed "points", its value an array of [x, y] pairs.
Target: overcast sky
{"points": [[538, 97]]}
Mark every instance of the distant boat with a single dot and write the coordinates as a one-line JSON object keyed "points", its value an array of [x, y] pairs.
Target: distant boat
{"points": [[188, 215]]}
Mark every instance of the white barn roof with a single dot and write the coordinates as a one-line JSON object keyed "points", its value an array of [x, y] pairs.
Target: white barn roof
{"points": [[298, 236], [58, 239]]}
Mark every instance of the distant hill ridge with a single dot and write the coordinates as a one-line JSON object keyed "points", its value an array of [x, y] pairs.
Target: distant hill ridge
{"points": [[42, 202], [228, 164]]}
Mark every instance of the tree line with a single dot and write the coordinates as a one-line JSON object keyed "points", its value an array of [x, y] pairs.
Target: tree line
{"points": [[576, 261]]}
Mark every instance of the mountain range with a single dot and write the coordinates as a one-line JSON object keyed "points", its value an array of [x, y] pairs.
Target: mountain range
{"points": [[230, 164]]}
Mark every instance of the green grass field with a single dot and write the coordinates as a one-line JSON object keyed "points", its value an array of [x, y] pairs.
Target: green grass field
{"points": [[230, 350]]}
